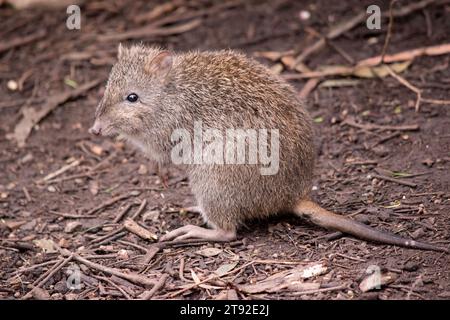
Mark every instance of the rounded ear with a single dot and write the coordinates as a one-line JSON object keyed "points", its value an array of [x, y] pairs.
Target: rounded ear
{"points": [[159, 65]]}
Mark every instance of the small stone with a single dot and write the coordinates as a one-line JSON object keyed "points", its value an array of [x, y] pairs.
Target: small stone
{"points": [[151, 215], [304, 15], [142, 170], [418, 233], [411, 266], [27, 158], [51, 189], [72, 226], [122, 254], [12, 85]]}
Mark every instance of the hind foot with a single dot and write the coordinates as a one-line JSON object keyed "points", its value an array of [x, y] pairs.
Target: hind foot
{"points": [[195, 232]]}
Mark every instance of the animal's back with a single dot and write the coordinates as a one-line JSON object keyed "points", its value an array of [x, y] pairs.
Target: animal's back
{"points": [[232, 91]]}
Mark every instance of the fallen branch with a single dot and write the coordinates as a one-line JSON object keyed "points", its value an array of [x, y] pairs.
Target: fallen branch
{"points": [[398, 181], [60, 171], [147, 295], [141, 232]]}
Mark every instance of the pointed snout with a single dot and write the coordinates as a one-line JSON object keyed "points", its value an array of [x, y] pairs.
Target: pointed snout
{"points": [[96, 129]]}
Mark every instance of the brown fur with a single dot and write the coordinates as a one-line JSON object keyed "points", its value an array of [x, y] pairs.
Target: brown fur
{"points": [[223, 89]]}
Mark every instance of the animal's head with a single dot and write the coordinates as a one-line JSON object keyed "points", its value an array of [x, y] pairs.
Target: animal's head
{"points": [[133, 93]]}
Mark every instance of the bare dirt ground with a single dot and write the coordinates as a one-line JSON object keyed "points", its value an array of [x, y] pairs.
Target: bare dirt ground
{"points": [[74, 210]]}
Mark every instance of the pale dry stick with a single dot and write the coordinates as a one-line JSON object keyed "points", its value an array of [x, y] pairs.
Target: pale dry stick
{"points": [[27, 194], [399, 181], [308, 88], [132, 277], [373, 126], [136, 229], [411, 54], [60, 171], [389, 32], [434, 101], [147, 295], [404, 82]]}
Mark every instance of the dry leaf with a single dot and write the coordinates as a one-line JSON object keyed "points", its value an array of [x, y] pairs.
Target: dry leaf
{"points": [[225, 268], [209, 252], [13, 224], [195, 277], [47, 245], [93, 187]]}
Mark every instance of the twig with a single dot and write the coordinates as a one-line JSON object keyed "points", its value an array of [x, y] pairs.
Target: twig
{"points": [[336, 288], [123, 213], [139, 210], [389, 32], [308, 87], [151, 252], [404, 82], [399, 181], [125, 294], [27, 194], [112, 201], [147, 295], [132, 277], [151, 31], [408, 55], [141, 232], [20, 41], [372, 126], [60, 171], [71, 215], [384, 139]]}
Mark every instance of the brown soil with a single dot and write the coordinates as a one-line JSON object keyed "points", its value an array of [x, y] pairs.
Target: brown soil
{"points": [[346, 159]]}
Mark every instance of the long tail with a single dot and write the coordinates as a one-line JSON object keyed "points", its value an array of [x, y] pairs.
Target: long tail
{"points": [[324, 218]]}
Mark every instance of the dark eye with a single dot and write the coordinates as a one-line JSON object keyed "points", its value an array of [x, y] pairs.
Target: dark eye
{"points": [[132, 97]]}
